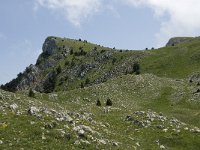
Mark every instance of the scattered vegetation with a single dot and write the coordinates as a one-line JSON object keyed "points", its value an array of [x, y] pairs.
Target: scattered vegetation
{"points": [[31, 93], [50, 83], [87, 81], [98, 103], [108, 102], [58, 69], [136, 68]]}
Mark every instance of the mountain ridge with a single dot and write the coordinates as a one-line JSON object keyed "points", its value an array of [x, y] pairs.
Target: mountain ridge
{"points": [[67, 63]]}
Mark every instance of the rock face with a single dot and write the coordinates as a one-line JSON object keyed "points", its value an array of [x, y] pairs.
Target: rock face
{"points": [[49, 46], [30, 77], [177, 40]]}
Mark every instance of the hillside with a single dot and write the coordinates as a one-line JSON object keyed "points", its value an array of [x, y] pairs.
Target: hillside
{"points": [[66, 64], [91, 97]]}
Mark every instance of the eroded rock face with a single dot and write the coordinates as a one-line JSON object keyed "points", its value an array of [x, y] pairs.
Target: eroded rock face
{"points": [[49, 46], [30, 77], [177, 40]]}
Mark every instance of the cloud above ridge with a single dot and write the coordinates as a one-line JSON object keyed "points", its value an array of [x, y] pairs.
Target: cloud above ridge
{"points": [[176, 17], [74, 10], [183, 17]]}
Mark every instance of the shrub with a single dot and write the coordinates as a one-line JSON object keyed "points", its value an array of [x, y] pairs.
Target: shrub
{"points": [[31, 93], [95, 48], [58, 69], [136, 68], [102, 51], [108, 102], [82, 85], [98, 103], [114, 60], [72, 63], [81, 52], [71, 51], [87, 81], [66, 63]]}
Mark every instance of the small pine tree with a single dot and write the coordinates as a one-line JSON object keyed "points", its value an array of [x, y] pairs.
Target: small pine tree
{"points": [[114, 60], [66, 63], [31, 93], [82, 85], [108, 102], [136, 68], [87, 81], [98, 103], [71, 51], [58, 69]]}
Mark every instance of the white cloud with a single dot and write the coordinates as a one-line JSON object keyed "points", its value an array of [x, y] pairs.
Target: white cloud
{"points": [[183, 17], [74, 10]]}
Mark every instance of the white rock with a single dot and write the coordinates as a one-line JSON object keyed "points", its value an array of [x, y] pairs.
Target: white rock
{"points": [[197, 130], [115, 144], [186, 128], [81, 132], [33, 110], [1, 142], [77, 142], [68, 118], [162, 147], [43, 137], [85, 142], [60, 119], [13, 106], [102, 142], [137, 143], [32, 122], [165, 130]]}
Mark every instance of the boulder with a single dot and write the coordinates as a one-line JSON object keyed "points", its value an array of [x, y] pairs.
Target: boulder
{"points": [[33, 110], [13, 106]]}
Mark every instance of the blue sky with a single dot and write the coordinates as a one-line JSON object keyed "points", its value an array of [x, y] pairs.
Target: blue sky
{"points": [[124, 24]]}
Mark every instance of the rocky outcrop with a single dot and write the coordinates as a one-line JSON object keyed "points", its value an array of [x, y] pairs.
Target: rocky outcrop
{"points": [[30, 77], [177, 40], [49, 46], [195, 78]]}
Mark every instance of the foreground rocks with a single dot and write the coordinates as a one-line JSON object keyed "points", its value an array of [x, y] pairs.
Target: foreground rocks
{"points": [[150, 119]]}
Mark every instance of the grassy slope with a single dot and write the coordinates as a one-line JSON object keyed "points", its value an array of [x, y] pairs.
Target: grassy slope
{"points": [[175, 62], [129, 93]]}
